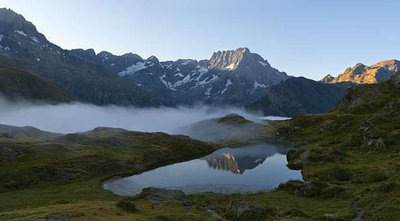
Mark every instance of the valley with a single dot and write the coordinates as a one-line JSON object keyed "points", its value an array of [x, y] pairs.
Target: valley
{"points": [[88, 135]]}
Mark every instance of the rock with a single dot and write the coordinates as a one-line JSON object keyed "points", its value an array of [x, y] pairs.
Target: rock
{"points": [[296, 160], [330, 216], [303, 189], [63, 216], [295, 212], [242, 211], [127, 205], [159, 194]]}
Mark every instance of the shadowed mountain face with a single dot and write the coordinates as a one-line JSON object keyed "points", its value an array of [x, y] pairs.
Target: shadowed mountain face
{"points": [[297, 96], [361, 74], [17, 82], [83, 80]]}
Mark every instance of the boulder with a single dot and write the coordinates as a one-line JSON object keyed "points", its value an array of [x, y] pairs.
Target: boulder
{"points": [[159, 194], [245, 211], [303, 189], [295, 213]]}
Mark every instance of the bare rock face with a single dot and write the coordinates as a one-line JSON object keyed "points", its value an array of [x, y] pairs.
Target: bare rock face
{"points": [[230, 60], [362, 74]]}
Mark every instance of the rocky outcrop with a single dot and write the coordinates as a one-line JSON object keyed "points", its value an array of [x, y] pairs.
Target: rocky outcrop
{"points": [[362, 74], [243, 211], [159, 194]]}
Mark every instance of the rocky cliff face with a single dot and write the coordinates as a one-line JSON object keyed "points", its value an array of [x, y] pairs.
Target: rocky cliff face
{"points": [[362, 74]]}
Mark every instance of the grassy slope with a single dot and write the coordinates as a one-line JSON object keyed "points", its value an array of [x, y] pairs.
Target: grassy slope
{"points": [[17, 82], [360, 140], [37, 177]]}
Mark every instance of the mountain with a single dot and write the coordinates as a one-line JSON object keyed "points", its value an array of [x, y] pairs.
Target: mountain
{"points": [[362, 74], [234, 77], [296, 96], [84, 80], [18, 82]]}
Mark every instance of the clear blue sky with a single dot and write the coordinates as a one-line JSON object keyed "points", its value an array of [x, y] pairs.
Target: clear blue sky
{"points": [[302, 37]]}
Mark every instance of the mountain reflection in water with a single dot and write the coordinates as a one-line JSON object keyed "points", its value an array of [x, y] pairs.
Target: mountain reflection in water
{"points": [[241, 159], [252, 168]]}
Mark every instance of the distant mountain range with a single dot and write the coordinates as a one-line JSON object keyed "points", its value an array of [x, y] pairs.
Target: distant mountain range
{"points": [[234, 77], [229, 77], [362, 74]]}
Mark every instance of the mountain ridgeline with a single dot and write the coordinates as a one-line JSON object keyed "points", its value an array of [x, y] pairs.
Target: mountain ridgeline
{"points": [[83, 80], [362, 74], [233, 77], [297, 96]]}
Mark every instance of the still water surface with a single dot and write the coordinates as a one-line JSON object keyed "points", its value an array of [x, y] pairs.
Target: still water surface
{"points": [[252, 168]]}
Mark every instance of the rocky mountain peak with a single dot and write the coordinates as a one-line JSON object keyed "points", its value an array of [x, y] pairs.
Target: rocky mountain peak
{"points": [[153, 59], [229, 60], [392, 65], [13, 24], [328, 78], [362, 74]]}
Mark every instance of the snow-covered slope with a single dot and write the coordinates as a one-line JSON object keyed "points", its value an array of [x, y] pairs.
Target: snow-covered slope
{"points": [[234, 77]]}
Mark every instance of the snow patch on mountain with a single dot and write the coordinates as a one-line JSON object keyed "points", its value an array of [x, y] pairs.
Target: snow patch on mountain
{"points": [[166, 83], [133, 69], [181, 82], [258, 85], [263, 63], [208, 80], [228, 83], [35, 39], [1, 37], [21, 33], [208, 92]]}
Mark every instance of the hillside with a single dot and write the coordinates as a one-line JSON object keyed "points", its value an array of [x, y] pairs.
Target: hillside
{"points": [[17, 82], [296, 96], [354, 148]]}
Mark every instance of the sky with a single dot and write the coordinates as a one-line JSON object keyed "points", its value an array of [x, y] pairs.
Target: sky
{"points": [[308, 38]]}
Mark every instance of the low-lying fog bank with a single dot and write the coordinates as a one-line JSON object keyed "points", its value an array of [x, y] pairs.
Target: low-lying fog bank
{"points": [[78, 117]]}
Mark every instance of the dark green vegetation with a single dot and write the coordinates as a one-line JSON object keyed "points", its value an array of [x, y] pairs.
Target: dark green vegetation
{"points": [[41, 169], [296, 96], [353, 152], [18, 82]]}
